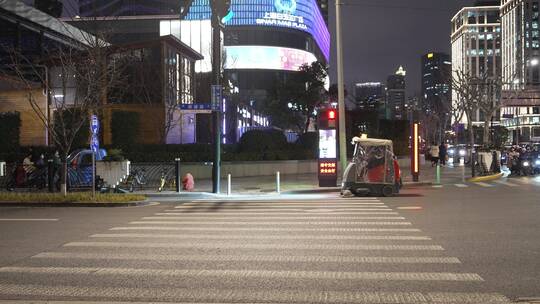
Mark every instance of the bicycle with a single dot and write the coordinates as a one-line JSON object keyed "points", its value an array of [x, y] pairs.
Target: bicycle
{"points": [[165, 181]]}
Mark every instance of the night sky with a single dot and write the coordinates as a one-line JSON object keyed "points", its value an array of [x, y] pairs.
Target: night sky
{"points": [[380, 35]]}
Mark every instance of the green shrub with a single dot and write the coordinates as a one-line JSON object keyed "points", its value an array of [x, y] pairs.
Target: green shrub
{"points": [[124, 128], [309, 141], [10, 125], [262, 140], [114, 155]]}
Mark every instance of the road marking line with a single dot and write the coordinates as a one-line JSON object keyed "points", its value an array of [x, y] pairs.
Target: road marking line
{"points": [[461, 185], [272, 223], [217, 245], [249, 258], [27, 220], [240, 210], [437, 186], [269, 214], [259, 229], [279, 205], [410, 208], [265, 237], [485, 185], [506, 183], [250, 296], [289, 274], [307, 217], [315, 201]]}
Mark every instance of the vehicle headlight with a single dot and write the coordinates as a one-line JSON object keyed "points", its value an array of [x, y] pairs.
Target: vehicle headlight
{"points": [[462, 152], [451, 152], [537, 162], [526, 164]]}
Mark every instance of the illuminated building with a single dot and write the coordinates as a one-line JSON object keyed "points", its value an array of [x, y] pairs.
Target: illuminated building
{"points": [[521, 69], [476, 44], [436, 73], [395, 95], [370, 96]]}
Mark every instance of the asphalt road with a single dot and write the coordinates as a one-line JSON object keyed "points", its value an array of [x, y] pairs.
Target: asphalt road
{"points": [[463, 243]]}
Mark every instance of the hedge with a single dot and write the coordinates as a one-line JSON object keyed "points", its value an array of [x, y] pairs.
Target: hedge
{"points": [[124, 128], [262, 140], [10, 126]]}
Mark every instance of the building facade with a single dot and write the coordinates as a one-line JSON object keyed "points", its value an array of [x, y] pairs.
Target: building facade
{"points": [[101, 8], [436, 89], [521, 69], [476, 45], [395, 95], [370, 96]]}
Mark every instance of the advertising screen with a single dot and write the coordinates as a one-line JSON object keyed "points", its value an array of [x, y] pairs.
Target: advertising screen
{"points": [[266, 57], [303, 15], [327, 144]]}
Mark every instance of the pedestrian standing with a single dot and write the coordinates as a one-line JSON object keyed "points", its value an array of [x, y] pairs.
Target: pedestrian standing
{"points": [[443, 153], [434, 152]]}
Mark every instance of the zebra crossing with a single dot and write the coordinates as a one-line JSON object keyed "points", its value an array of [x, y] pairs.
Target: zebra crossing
{"points": [[342, 251], [506, 182]]}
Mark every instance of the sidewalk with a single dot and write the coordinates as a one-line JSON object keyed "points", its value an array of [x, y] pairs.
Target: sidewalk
{"points": [[307, 183]]}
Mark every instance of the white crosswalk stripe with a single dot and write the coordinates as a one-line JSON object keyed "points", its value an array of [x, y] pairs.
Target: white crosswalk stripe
{"points": [[461, 186], [265, 237], [248, 258], [222, 245], [265, 229], [259, 245], [306, 217], [251, 296]]}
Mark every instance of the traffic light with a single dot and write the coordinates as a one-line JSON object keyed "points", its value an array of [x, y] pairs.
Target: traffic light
{"points": [[327, 119], [331, 115]]}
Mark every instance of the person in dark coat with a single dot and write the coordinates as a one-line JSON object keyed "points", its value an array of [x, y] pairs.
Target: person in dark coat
{"points": [[443, 151]]}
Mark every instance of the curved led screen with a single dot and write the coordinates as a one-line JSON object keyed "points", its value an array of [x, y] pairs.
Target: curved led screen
{"points": [[303, 15], [266, 58]]}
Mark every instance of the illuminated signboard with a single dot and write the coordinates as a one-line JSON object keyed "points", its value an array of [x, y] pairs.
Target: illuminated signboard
{"points": [[266, 57], [327, 144], [303, 15]]}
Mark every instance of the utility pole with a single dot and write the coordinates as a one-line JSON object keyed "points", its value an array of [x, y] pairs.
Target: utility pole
{"points": [[341, 90], [219, 8]]}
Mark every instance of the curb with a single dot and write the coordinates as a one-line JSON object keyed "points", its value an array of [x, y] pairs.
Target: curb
{"points": [[485, 178], [96, 205]]}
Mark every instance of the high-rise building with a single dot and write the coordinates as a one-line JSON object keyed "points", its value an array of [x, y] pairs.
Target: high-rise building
{"points": [[476, 44], [436, 73], [521, 69], [370, 96], [100, 8], [395, 95]]}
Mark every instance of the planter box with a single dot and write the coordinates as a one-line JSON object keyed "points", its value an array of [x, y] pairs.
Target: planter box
{"points": [[112, 172]]}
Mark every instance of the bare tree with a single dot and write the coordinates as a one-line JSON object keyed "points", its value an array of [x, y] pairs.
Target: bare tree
{"points": [[468, 90], [76, 79]]}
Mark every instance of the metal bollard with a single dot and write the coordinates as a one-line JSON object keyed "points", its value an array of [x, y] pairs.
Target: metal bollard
{"points": [[2, 169], [229, 185], [438, 175], [278, 183], [50, 175], [177, 174]]}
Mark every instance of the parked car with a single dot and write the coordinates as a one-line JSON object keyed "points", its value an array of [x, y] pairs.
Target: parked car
{"points": [[80, 167]]}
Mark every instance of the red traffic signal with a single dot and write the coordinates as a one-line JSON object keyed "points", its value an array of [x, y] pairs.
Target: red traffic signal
{"points": [[331, 115]]}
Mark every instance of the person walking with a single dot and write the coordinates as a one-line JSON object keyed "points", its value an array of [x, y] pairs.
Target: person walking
{"points": [[443, 152], [434, 152]]}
